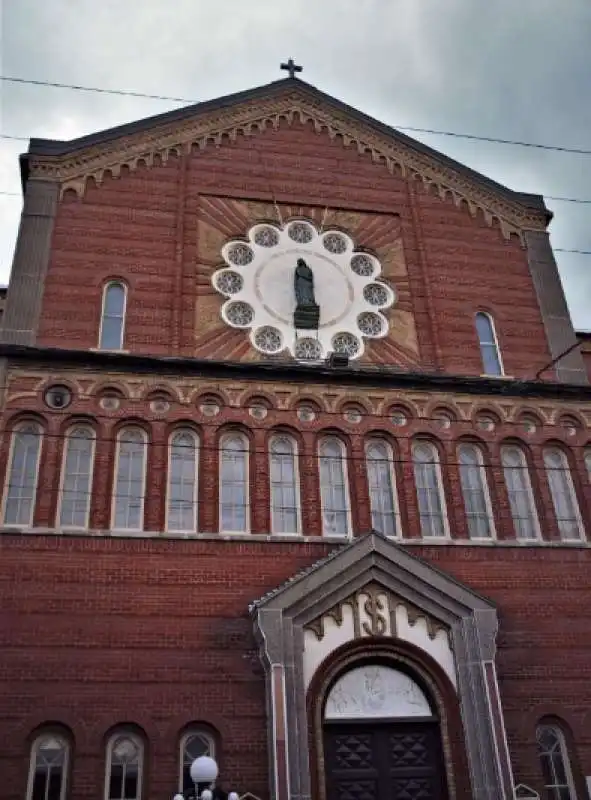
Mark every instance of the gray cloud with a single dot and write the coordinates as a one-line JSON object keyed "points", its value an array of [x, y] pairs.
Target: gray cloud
{"points": [[506, 69]]}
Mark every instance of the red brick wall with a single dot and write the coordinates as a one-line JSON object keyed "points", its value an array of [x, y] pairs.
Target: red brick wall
{"points": [[100, 631], [142, 227]]}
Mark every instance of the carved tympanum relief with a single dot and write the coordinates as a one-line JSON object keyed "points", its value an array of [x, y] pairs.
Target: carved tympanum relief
{"points": [[375, 611], [376, 691]]}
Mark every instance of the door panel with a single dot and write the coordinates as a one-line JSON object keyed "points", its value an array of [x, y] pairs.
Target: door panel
{"points": [[384, 761]]}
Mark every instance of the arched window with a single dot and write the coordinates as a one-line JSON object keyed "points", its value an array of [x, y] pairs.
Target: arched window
{"points": [[77, 477], [193, 744], [521, 498], [23, 474], [181, 513], [234, 502], [429, 486], [48, 768], [382, 488], [475, 492], [556, 767], [124, 767], [563, 494], [489, 347], [112, 328], [285, 491], [130, 479], [334, 494]]}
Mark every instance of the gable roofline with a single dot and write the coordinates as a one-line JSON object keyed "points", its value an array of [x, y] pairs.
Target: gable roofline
{"points": [[56, 148]]}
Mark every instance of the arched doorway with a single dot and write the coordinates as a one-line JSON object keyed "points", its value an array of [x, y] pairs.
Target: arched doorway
{"points": [[382, 737]]}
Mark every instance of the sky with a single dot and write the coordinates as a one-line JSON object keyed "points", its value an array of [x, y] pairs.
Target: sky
{"points": [[511, 70]]}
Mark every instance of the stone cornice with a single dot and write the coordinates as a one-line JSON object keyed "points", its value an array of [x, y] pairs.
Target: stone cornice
{"points": [[273, 371], [249, 116]]}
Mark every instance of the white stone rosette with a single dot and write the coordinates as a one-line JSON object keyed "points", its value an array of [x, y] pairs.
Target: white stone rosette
{"points": [[257, 280]]}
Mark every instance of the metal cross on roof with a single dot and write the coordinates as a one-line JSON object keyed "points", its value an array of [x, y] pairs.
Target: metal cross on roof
{"points": [[292, 68]]}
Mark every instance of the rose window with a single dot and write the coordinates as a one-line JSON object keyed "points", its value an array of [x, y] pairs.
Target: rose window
{"points": [[228, 282], [376, 294], [301, 232], [335, 243], [266, 236], [239, 314], [346, 343], [370, 324], [363, 265], [308, 349], [302, 292], [268, 339], [240, 254]]}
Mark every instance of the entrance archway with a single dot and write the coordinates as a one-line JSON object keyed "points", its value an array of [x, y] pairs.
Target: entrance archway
{"points": [[381, 737]]}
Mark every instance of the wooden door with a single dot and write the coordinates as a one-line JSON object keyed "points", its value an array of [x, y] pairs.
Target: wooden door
{"points": [[384, 761]]}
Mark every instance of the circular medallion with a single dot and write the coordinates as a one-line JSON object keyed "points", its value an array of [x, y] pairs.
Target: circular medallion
{"points": [[370, 324], [376, 294], [228, 282], [240, 254], [266, 236], [346, 343], [268, 339], [334, 243], [300, 232], [362, 265], [239, 314], [308, 349]]}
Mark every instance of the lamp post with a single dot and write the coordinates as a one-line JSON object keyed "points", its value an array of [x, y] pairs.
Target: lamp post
{"points": [[204, 771]]}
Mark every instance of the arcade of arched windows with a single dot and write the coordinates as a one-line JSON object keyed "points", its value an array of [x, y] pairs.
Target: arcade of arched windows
{"points": [[433, 483]]}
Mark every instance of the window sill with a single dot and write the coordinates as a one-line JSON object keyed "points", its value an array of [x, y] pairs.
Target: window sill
{"points": [[108, 350]]}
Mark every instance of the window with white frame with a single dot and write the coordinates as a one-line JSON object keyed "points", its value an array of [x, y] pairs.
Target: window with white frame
{"points": [[519, 489], [285, 490], [234, 500], [23, 474], [130, 479], [124, 767], [555, 761], [382, 488], [489, 346], [193, 744], [76, 485], [475, 492], [112, 328], [48, 768], [334, 494], [181, 513], [563, 494], [429, 486]]}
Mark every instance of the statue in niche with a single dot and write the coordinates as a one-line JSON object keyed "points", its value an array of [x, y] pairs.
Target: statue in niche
{"points": [[307, 312]]}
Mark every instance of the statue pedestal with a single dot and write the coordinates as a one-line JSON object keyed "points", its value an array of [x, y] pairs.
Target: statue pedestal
{"points": [[306, 317]]}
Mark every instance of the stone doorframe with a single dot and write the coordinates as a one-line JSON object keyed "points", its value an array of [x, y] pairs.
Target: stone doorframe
{"points": [[279, 620]]}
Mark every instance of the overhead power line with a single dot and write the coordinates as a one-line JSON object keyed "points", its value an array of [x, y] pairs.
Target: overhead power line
{"points": [[169, 98]]}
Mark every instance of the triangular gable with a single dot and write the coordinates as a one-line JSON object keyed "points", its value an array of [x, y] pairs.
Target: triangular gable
{"points": [[373, 559], [247, 113]]}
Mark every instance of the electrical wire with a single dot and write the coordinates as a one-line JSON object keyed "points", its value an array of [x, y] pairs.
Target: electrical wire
{"points": [[129, 93]]}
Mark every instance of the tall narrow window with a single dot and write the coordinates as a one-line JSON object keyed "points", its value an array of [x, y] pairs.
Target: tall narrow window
{"points": [[556, 767], [334, 495], [521, 498], [112, 328], [130, 466], [234, 508], [123, 780], [489, 348], [23, 475], [563, 494], [475, 492], [430, 495], [382, 488], [48, 769], [588, 463], [182, 482], [193, 745], [285, 501], [77, 477]]}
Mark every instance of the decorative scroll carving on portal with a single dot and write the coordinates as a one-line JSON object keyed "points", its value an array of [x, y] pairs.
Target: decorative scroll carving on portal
{"points": [[374, 614], [376, 691]]}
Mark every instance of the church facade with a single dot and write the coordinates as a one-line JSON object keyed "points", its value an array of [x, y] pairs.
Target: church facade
{"points": [[296, 469]]}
